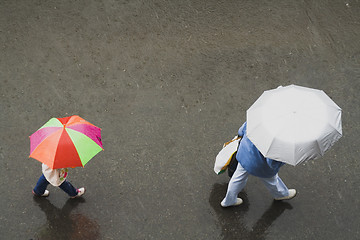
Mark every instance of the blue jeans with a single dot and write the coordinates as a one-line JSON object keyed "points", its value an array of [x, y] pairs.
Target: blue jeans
{"points": [[43, 183], [275, 185]]}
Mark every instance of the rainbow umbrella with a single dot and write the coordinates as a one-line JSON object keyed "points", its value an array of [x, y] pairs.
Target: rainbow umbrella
{"points": [[66, 142]]}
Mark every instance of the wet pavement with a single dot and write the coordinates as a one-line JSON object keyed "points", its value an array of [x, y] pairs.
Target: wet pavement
{"points": [[168, 82]]}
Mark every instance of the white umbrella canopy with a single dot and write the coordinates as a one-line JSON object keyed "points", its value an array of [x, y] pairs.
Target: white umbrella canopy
{"points": [[293, 124]]}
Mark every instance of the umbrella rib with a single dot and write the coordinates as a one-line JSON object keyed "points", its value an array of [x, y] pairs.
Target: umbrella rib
{"points": [[335, 129], [271, 143], [332, 143], [315, 118], [273, 138], [319, 147], [43, 140], [95, 132], [60, 149]]}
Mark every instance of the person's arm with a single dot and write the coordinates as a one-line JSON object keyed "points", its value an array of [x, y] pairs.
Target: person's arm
{"points": [[274, 164], [242, 130]]}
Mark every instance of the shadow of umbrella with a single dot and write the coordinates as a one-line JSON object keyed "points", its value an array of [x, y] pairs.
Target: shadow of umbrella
{"points": [[232, 219], [62, 224]]}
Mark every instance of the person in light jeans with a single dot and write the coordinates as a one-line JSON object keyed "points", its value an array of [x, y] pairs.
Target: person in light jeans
{"points": [[57, 178], [252, 162]]}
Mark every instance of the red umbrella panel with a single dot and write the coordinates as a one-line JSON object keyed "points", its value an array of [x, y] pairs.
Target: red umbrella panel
{"points": [[66, 142]]}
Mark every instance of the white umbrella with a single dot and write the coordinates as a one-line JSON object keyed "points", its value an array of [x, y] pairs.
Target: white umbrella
{"points": [[293, 124]]}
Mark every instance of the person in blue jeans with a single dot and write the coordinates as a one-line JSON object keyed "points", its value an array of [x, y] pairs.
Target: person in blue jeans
{"points": [[57, 178], [252, 162]]}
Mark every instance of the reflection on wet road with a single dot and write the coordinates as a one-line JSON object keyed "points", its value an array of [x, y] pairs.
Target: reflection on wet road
{"points": [[62, 224], [232, 219]]}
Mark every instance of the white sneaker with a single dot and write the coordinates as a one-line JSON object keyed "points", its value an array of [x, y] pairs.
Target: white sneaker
{"points": [[292, 194], [45, 194], [80, 192], [237, 203]]}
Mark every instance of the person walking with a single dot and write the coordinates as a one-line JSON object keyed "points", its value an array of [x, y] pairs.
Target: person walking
{"points": [[252, 162], [57, 178]]}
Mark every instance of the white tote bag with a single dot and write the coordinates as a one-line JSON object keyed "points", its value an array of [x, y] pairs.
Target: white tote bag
{"points": [[224, 156]]}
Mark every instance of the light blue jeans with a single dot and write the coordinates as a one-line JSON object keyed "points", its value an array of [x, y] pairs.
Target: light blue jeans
{"points": [[238, 181]]}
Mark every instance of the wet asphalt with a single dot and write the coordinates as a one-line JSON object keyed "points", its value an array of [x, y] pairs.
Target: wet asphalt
{"points": [[169, 82]]}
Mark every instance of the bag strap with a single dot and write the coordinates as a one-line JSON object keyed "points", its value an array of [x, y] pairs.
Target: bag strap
{"points": [[227, 143]]}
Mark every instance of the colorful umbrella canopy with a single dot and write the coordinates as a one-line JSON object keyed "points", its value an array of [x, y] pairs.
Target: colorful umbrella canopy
{"points": [[66, 142]]}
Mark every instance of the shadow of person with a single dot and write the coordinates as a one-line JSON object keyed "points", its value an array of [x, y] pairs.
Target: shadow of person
{"points": [[232, 219], [62, 224]]}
